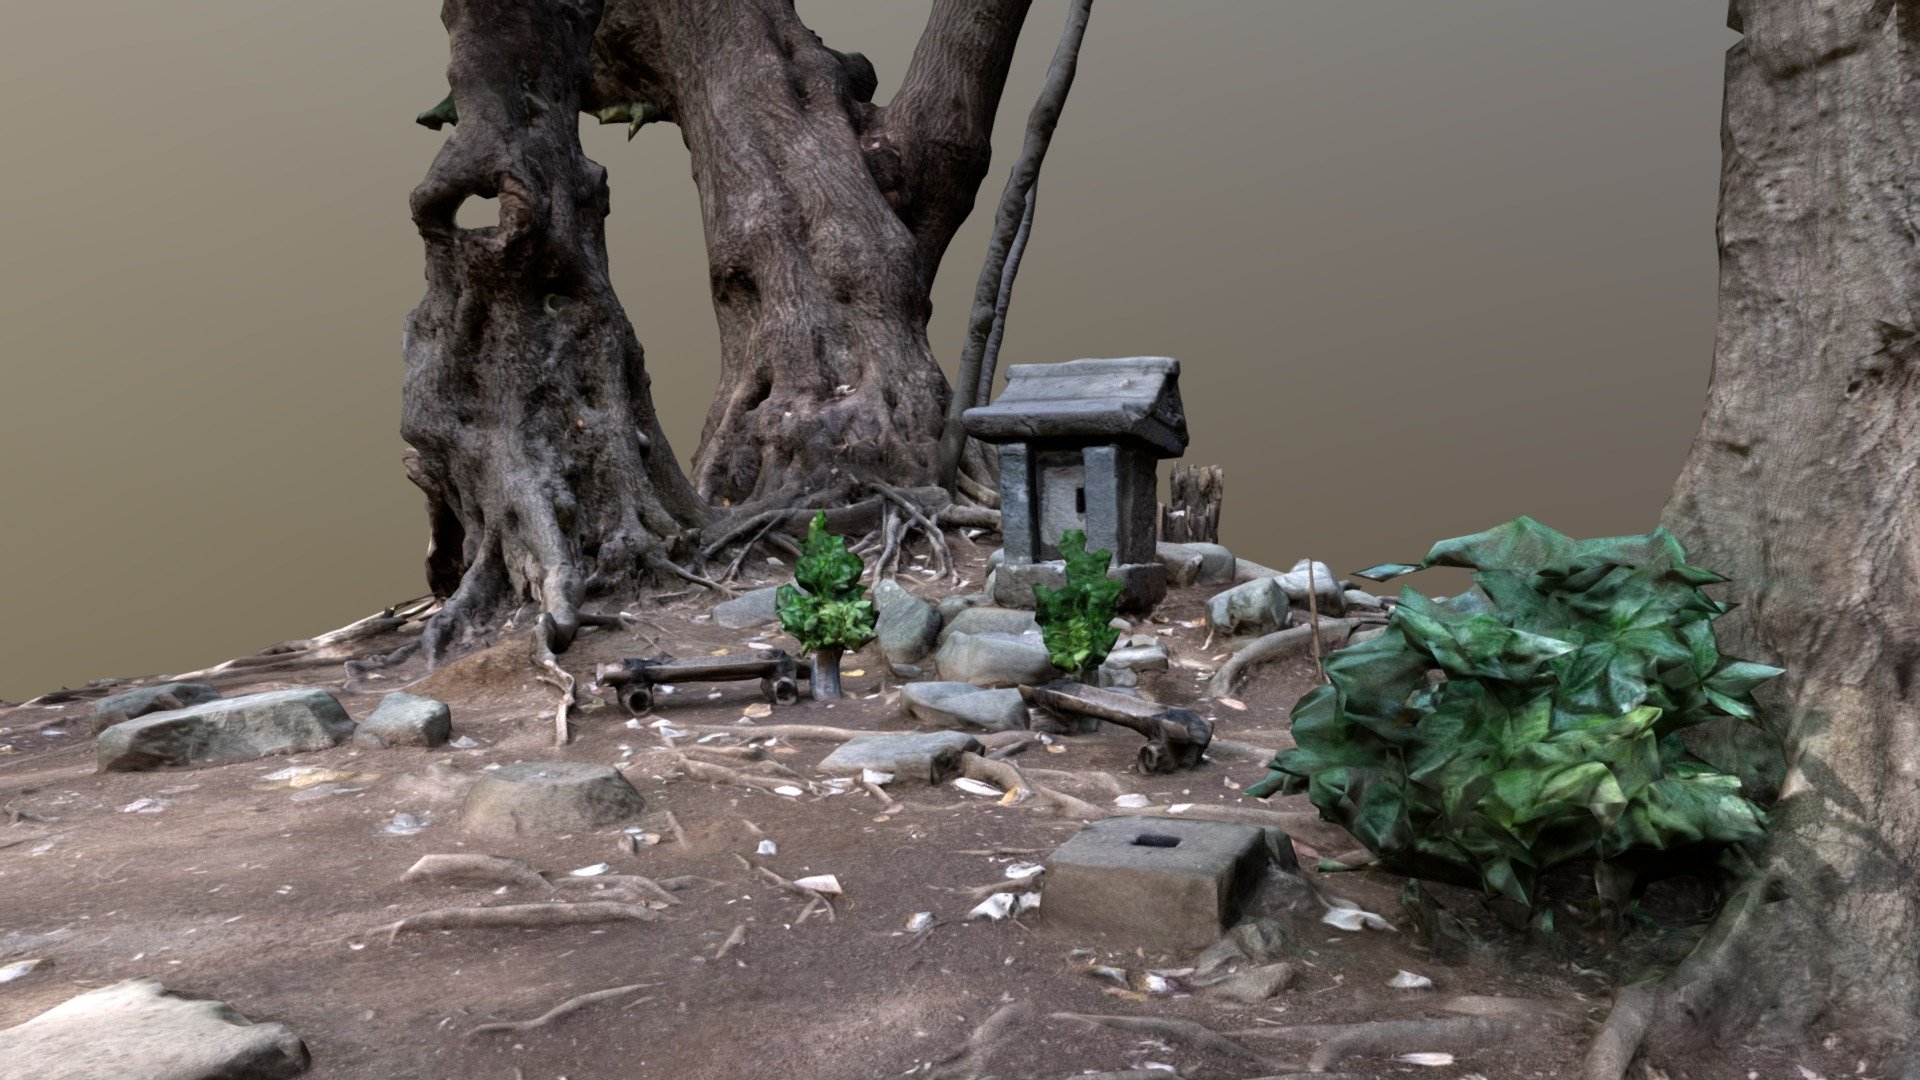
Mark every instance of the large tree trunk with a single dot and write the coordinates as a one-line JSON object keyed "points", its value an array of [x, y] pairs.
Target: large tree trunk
{"points": [[825, 221], [1804, 486], [526, 405]]}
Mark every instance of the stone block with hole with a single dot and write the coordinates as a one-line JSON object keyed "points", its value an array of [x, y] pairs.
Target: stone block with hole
{"points": [[1161, 884]]}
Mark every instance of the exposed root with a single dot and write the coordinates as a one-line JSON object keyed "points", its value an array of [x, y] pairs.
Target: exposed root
{"points": [[734, 940], [1339, 1041], [781, 731], [1330, 633], [519, 916], [1233, 750], [334, 646], [555, 676], [1009, 778], [720, 774], [814, 897], [631, 884], [942, 553], [1613, 1048], [566, 1008], [476, 871], [1187, 1033], [968, 1062]]}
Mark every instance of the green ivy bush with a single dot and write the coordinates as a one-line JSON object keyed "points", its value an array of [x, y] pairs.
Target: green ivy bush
{"points": [[1075, 618], [828, 610], [1532, 721]]}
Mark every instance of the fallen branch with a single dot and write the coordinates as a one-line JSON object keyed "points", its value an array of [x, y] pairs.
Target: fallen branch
{"points": [[1187, 1033], [967, 1062], [1612, 1050], [566, 1008], [1330, 633], [1009, 778], [518, 916]]}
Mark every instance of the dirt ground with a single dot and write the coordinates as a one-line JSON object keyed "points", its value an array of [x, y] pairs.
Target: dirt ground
{"points": [[228, 885]]}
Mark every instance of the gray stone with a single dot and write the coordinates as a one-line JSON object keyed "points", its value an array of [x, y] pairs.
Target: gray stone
{"points": [[952, 606], [1154, 883], [926, 758], [1361, 637], [132, 704], [991, 620], [1149, 657], [1254, 607], [964, 705], [1133, 399], [227, 729], [1357, 598], [993, 660], [136, 1030], [1217, 564], [550, 797], [406, 720], [1183, 565], [1331, 595], [749, 609], [1114, 678], [906, 626], [1255, 984]]}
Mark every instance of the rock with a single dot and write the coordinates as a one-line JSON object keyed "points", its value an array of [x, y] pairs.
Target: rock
{"points": [[907, 627], [995, 558], [1255, 607], [1254, 985], [907, 671], [406, 720], [1183, 565], [1217, 564], [1359, 599], [550, 797], [993, 660], [136, 1030], [1154, 883], [749, 609], [952, 606], [1114, 678], [1361, 637], [226, 729], [1149, 657], [120, 708], [924, 758], [965, 705], [991, 620], [1332, 596]]}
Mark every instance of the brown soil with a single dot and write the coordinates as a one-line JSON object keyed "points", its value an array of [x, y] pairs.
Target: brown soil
{"points": [[266, 897]]}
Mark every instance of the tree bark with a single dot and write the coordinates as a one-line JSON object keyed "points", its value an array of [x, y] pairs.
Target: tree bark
{"points": [[825, 218], [1802, 485], [526, 403]]}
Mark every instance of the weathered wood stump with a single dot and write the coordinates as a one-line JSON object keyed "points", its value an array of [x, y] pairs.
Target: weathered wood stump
{"points": [[1192, 512]]}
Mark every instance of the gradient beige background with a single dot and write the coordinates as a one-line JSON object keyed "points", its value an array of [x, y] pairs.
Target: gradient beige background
{"points": [[1429, 264]]}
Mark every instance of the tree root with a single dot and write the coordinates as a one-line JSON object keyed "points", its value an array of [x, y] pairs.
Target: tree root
{"points": [[631, 884], [551, 673], [814, 897], [1330, 633], [1338, 1041], [968, 1062], [518, 916], [720, 774], [734, 940], [1006, 776], [475, 871], [1613, 1048], [1233, 750], [1194, 1036], [333, 646], [566, 1008]]}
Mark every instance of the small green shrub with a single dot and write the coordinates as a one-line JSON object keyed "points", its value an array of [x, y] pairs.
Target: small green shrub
{"points": [[1532, 721], [1074, 618], [828, 611]]}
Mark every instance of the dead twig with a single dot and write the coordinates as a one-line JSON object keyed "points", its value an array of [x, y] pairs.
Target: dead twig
{"points": [[566, 1008], [518, 916]]}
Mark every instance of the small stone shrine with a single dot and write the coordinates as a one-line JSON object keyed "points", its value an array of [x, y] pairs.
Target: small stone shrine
{"points": [[1079, 448]]}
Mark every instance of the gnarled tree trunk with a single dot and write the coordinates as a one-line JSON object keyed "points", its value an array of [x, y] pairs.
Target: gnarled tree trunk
{"points": [[826, 217], [526, 402], [1804, 486]]}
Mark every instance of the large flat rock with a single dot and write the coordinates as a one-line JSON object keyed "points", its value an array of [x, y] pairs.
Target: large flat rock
{"points": [[543, 798], [119, 708], [993, 659], [229, 729], [964, 705], [924, 758], [137, 1030]]}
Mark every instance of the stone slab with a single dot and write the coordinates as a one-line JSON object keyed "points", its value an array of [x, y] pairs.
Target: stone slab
{"points": [[228, 729], [991, 620], [959, 704], [993, 660], [748, 610], [925, 758], [133, 704], [136, 1030], [1162, 884]]}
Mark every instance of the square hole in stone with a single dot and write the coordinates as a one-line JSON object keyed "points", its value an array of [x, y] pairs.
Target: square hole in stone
{"points": [[1155, 840]]}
